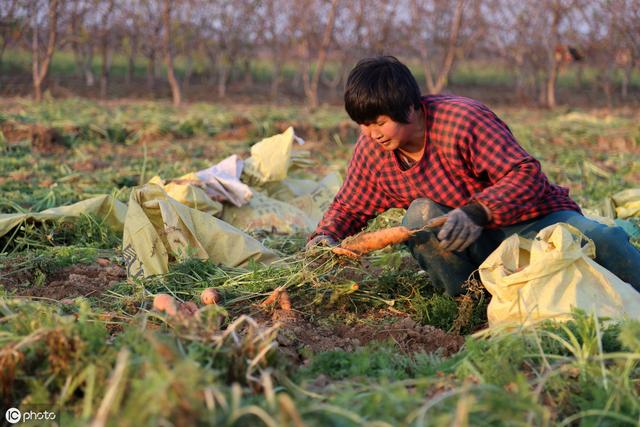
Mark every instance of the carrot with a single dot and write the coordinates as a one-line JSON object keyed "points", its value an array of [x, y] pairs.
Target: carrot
{"points": [[368, 242], [363, 243], [346, 252], [284, 300], [271, 299], [210, 296], [165, 303]]}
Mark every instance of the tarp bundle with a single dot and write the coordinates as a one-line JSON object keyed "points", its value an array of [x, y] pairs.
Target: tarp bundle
{"points": [[104, 206], [621, 209], [157, 227], [545, 278]]}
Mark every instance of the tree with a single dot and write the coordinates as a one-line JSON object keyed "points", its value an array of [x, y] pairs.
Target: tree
{"points": [[81, 40], [311, 87], [439, 26], [537, 39], [168, 55], [40, 61], [12, 23], [106, 40]]}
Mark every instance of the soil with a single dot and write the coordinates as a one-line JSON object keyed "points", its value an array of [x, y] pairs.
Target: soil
{"points": [[298, 336], [46, 140], [66, 283]]}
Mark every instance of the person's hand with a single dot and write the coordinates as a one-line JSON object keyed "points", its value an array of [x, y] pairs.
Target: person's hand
{"points": [[458, 232], [320, 240]]}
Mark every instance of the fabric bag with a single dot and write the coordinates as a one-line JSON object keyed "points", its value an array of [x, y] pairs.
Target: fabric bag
{"points": [[545, 278], [158, 228]]}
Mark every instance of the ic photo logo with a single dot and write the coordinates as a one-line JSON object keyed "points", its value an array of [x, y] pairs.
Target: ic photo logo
{"points": [[13, 415]]}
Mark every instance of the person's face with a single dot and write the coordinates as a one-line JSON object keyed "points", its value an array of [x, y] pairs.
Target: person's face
{"points": [[388, 133]]}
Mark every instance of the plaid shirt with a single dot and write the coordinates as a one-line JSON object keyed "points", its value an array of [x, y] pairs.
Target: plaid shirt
{"points": [[470, 155]]}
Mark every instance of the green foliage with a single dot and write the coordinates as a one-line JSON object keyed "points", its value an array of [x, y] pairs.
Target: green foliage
{"points": [[222, 369], [85, 231], [379, 361]]}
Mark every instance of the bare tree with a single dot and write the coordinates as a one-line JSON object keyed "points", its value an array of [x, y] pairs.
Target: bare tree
{"points": [[538, 39], [625, 24], [273, 21], [313, 27], [81, 40], [438, 25], [229, 32], [40, 62], [106, 41], [168, 55], [311, 86], [12, 23]]}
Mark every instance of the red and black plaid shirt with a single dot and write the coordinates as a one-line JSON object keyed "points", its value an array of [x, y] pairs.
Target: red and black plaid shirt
{"points": [[470, 155]]}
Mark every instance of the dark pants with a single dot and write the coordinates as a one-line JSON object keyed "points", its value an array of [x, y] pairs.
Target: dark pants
{"points": [[449, 270]]}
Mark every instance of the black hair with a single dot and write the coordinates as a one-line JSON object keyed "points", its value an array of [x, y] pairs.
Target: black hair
{"points": [[378, 86]]}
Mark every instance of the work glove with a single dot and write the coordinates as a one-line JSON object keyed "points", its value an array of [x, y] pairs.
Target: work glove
{"points": [[463, 227], [320, 240]]}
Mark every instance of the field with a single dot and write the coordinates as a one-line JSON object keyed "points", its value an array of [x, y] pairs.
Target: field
{"points": [[366, 342]]}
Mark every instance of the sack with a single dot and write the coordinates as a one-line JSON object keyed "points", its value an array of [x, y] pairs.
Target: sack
{"points": [[533, 280], [627, 203], [289, 188], [158, 228], [104, 206], [270, 159], [316, 202], [263, 213], [623, 204], [187, 190]]}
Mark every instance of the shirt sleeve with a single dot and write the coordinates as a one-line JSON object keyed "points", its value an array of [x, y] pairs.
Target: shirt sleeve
{"points": [[358, 200], [517, 183]]}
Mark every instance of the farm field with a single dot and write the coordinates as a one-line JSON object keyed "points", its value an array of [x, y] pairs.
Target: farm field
{"points": [[367, 342]]}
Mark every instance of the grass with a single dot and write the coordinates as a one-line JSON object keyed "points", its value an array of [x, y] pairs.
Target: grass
{"points": [[110, 357]]}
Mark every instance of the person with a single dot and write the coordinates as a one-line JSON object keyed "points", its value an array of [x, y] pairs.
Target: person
{"points": [[449, 155]]}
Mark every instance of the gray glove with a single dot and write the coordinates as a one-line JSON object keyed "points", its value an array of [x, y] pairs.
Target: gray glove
{"points": [[458, 232], [320, 240]]}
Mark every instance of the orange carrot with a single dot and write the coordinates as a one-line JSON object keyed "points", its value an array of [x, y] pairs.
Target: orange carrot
{"points": [[363, 243], [210, 296], [368, 242], [284, 301], [272, 298], [346, 252], [165, 303]]}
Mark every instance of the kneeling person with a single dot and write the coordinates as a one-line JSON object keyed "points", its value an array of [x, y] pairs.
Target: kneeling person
{"points": [[449, 155]]}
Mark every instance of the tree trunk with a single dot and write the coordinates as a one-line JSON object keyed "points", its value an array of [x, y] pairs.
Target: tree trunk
{"points": [[106, 65], [223, 73], [626, 78], [87, 67], [188, 72], [40, 70], [131, 61], [168, 56], [248, 76], [151, 70], [435, 84], [312, 94], [550, 86], [275, 80]]}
